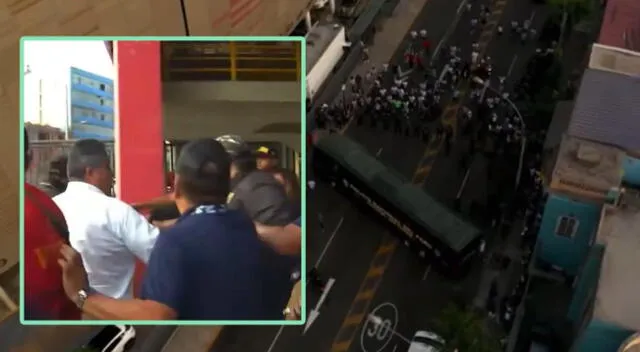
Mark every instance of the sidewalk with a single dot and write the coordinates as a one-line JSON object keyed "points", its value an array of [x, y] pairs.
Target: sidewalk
{"points": [[506, 278]]}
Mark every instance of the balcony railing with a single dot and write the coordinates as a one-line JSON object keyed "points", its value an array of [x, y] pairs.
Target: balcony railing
{"points": [[231, 61]]}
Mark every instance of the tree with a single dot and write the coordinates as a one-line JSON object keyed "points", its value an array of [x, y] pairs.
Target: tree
{"points": [[577, 10], [465, 331]]}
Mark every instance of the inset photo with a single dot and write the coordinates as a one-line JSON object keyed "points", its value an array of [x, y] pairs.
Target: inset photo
{"points": [[162, 181]]}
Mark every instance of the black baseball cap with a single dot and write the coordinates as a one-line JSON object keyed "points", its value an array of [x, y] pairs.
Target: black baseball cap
{"points": [[235, 146], [205, 165]]}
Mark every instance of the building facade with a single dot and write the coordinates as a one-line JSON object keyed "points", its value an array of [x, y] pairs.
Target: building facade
{"points": [[91, 105]]}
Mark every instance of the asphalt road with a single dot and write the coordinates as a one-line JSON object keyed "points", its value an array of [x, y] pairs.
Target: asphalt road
{"points": [[410, 295], [63, 338]]}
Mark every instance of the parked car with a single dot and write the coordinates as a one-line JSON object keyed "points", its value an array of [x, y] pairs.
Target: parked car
{"points": [[426, 341], [112, 338]]}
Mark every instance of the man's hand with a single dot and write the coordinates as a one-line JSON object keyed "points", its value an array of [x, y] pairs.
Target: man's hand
{"points": [[74, 276]]}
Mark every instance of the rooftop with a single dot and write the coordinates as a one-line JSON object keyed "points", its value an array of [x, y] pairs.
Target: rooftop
{"points": [[612, 59], [318, 40], [621, 24], [586, 168], [607, 110], [619, 288]]}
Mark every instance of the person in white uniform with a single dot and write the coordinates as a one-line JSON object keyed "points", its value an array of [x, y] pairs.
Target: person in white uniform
{"points": [[108, 233]]}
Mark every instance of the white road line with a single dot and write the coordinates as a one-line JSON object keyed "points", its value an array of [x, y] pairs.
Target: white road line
{"points": [[326, 246], [450, 30], [324, 251], [464, 183], [395, 347], [513, 63], [379, 152], [275, 339], [426, 273]]}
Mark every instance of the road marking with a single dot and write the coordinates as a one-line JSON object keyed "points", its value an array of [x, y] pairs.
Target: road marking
{"points": [[360, 305], [314, 314], [324, 251], [379, 333], [326, 246], [513, 63], [395, 347], [533, 15], [346, 333], [426, 273], [449, 30], [450, 113], [379, 152], [464, 183]]}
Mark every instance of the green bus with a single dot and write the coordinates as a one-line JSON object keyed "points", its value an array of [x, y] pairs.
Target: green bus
{"points": [[423, 223]]}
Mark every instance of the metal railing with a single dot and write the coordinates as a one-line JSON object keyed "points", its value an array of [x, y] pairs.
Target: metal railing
{"points": [[234, 61], [42, 152]]}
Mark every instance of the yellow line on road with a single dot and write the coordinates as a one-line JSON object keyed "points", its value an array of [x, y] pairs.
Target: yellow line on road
{"points": [[373, 278], [450, 114]]}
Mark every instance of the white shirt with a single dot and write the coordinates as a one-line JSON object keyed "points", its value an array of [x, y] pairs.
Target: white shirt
{"points": [[109, 234]]}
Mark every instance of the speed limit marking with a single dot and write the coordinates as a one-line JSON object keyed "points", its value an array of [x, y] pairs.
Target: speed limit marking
{"points": [[376, 335]]}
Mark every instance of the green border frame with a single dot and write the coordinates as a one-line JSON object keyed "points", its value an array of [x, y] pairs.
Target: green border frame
{"points": [[303, 183]]}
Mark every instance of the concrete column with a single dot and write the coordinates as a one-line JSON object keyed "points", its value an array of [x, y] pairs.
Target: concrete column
{"points": [[139, 136], [307, 20], [332, 6]]}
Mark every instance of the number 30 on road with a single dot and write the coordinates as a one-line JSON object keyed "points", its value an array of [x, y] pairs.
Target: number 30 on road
{"points": [[380, 331], [375, 336]]}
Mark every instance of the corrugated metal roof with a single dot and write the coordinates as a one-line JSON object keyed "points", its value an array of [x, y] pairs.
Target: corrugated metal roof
{"points": [[607, 109], [621, 24]]}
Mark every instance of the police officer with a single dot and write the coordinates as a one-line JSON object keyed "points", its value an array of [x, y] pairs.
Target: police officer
{"points": [[256, 192], [264, 199]]}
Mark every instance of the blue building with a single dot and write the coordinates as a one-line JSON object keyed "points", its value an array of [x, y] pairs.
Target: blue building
{"points": [[584, 176], [91, 106]]}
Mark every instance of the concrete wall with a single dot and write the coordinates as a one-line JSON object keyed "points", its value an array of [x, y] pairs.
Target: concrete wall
{"points": [[600, 336], [564, 252], [631, 171], [243, 17], [289, 92], [184, 120], [586, 285]]}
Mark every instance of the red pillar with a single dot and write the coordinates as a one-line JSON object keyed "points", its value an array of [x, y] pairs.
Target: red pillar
{"points": [[138, 128]]}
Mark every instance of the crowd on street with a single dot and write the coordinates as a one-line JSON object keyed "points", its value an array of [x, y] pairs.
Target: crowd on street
{"points": [[492, 118]]}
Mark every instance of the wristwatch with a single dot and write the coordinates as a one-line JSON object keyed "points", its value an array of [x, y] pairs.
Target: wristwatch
{"points": [[81, 297]]}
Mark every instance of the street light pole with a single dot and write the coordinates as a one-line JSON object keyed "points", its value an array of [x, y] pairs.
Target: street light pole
{"points": [[523, 126]]}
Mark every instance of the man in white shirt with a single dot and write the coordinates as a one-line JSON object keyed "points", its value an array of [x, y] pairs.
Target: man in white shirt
{"points": [[108, 233]]}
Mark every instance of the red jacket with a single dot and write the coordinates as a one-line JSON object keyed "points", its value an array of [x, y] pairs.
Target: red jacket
{"points": [[44, 295]]}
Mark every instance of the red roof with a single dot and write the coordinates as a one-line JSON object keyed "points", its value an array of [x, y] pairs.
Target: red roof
{"points": [[621, 25]]}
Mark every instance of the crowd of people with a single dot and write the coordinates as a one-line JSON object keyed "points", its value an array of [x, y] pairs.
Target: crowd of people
{"points": [[493, 119], [224, 245]]}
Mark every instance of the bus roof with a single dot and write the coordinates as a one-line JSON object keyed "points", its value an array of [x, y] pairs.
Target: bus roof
{"points": [[435, 216], [412, 199]]}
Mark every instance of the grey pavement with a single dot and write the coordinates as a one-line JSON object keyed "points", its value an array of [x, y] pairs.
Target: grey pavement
{"points": [[349, 253]]}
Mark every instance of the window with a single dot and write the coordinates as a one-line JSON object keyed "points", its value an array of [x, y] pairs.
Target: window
{"points": [[101, 101], [102, 87], [567, 226]]}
